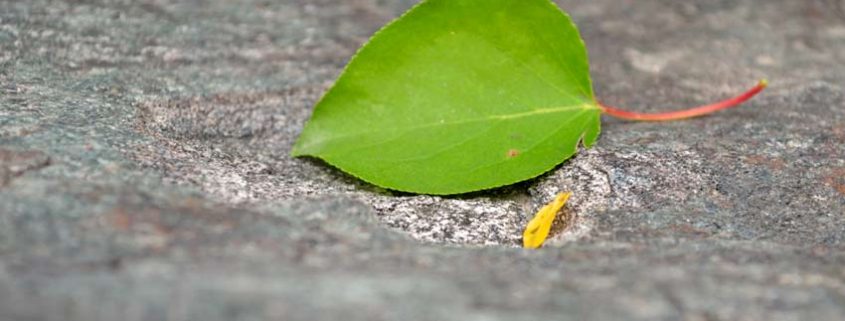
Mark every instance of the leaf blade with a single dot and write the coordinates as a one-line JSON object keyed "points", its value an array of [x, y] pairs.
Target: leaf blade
{"points": [[404, 99]]}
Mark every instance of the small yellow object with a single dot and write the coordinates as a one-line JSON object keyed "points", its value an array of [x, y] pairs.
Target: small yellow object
{"points": [[538, 229]]}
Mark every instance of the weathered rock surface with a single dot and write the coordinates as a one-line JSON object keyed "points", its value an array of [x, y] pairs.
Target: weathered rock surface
{"points": [[144, 173]]}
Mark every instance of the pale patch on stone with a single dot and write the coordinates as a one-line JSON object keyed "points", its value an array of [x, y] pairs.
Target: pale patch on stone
{"points": [[652, 63]]}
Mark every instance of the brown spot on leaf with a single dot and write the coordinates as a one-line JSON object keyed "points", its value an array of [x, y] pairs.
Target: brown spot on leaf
{"points": [[513, 153]]}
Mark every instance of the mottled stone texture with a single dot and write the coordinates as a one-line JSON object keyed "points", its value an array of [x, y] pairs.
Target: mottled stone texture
{"points": [[144, 173]]}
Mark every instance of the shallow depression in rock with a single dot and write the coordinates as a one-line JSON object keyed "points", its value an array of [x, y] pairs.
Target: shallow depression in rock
{"points": [[235, 146]]}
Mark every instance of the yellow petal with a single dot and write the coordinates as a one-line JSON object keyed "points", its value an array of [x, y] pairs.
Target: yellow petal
{"points": [[538, 228]]}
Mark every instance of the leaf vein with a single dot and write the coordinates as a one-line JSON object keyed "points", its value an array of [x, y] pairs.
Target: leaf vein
{"points": [[540, 111]]}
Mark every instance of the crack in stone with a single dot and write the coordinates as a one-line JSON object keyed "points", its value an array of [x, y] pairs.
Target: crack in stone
{"points": [[14, 163]]}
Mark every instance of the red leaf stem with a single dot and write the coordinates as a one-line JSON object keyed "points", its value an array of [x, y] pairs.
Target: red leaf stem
{"points": [[687, 113]]}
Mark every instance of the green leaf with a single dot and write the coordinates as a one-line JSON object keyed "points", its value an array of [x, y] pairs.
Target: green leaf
{"points": [[458, 96]]}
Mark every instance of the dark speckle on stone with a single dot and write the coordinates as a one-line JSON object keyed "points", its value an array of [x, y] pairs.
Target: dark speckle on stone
{"points": [[14, 163], [145, 173]]}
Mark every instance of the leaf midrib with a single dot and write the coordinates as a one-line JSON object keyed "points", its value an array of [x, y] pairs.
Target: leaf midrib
{"points": [[540, 111], [457, 144]]}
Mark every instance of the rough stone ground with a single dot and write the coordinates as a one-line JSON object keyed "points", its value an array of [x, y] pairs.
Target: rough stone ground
{"points": [[144, 173]]}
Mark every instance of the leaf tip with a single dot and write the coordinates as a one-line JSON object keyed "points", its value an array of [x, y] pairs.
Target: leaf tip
{"points": [[563, 197], [295, 151], [298, 150]]}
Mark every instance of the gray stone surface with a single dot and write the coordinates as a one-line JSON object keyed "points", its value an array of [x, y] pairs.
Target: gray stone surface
{"points": [[144, 173]]}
